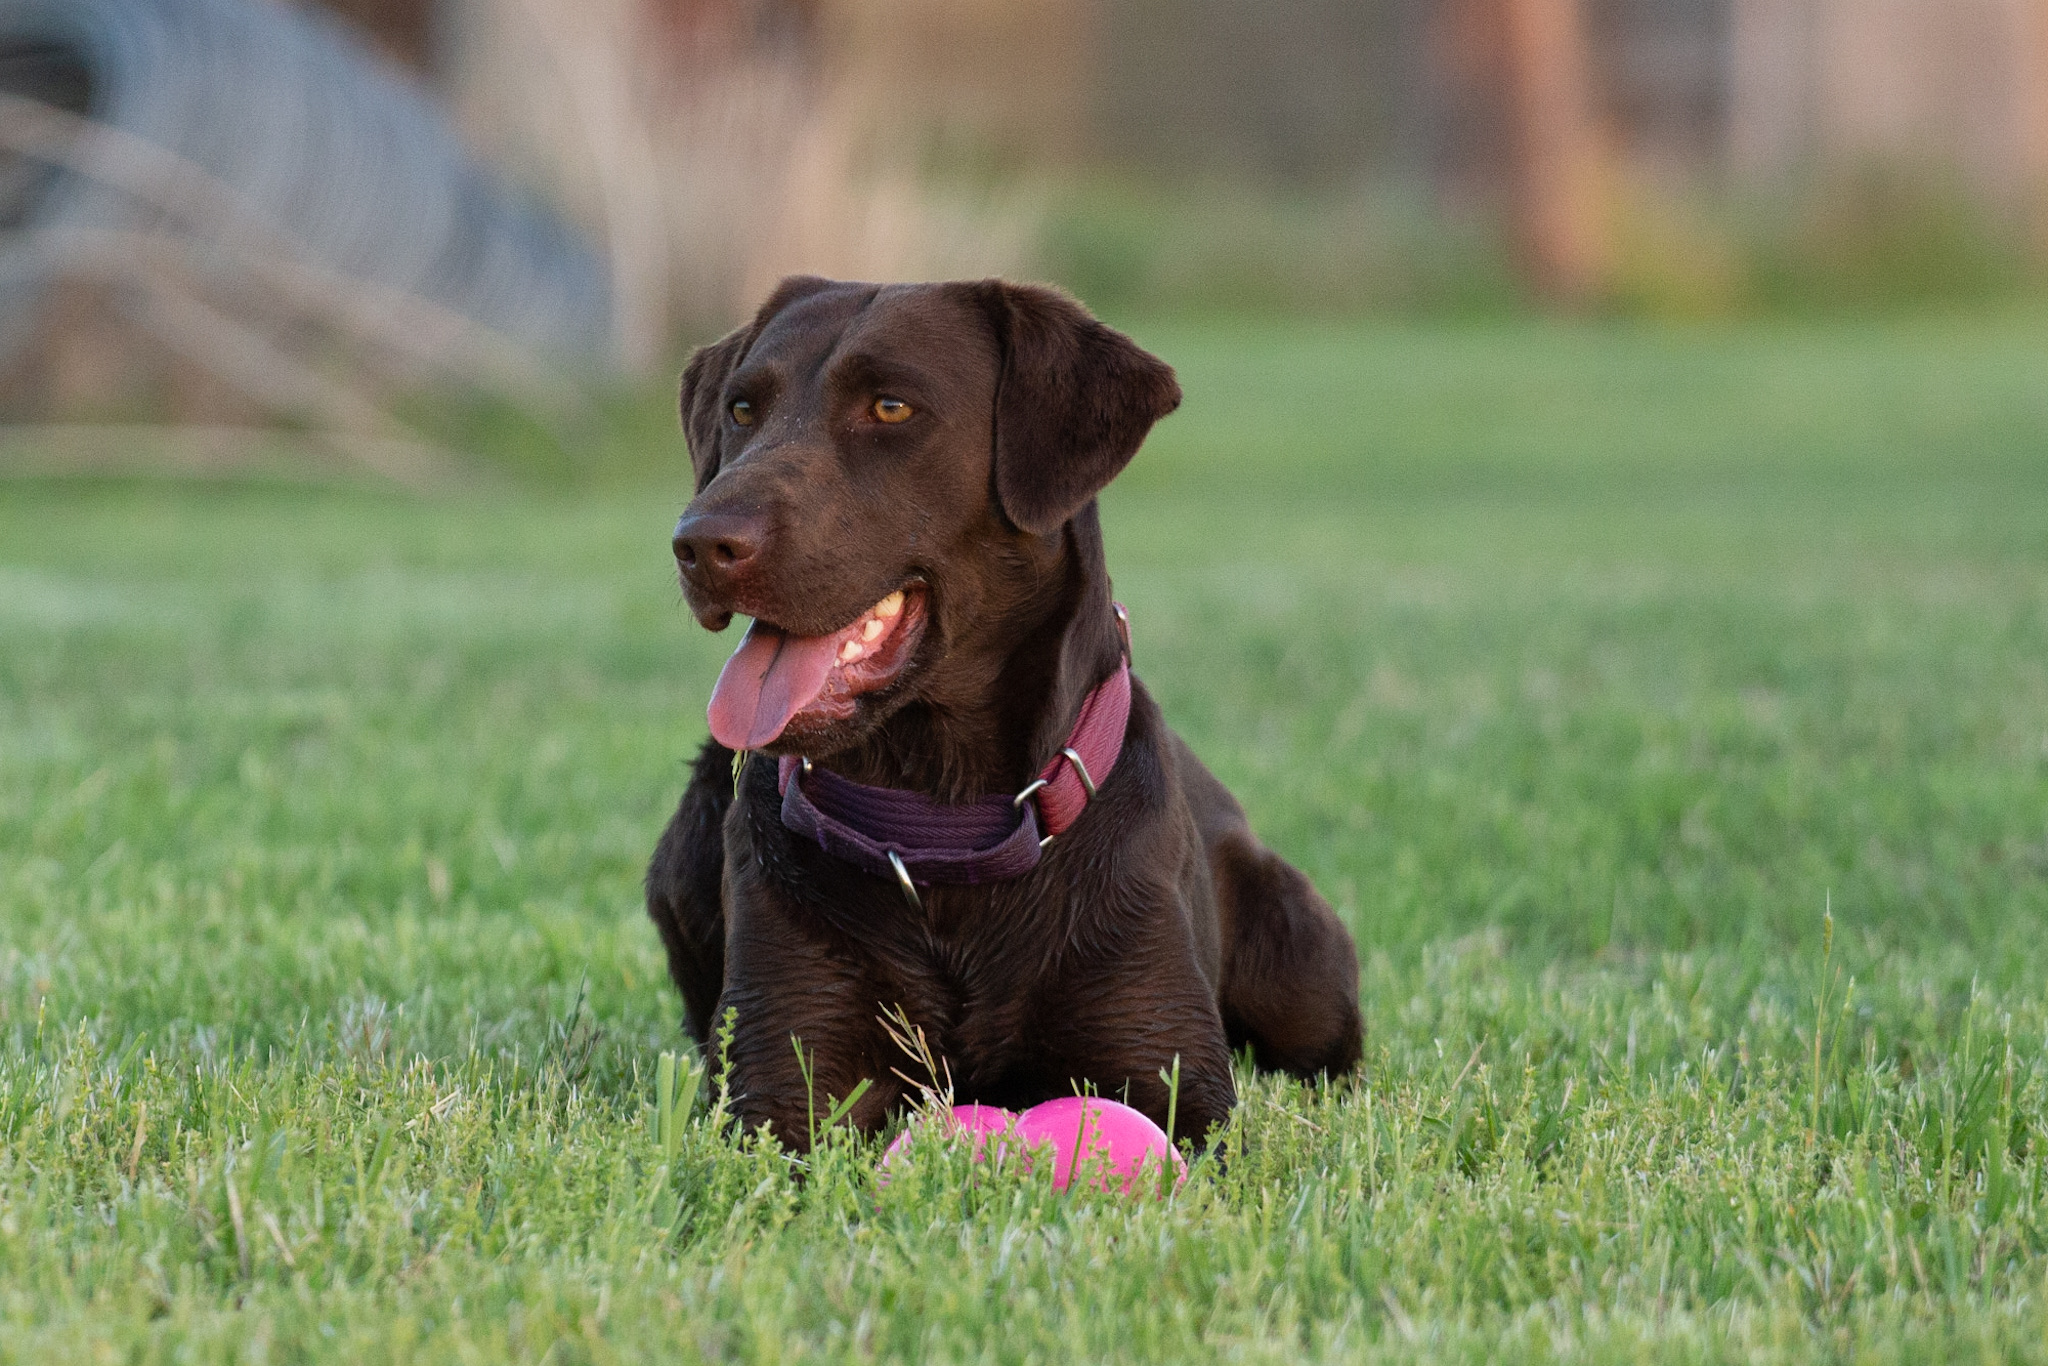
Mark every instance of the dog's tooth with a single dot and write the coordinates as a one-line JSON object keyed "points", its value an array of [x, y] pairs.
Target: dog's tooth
{"points": [[872, 628], [889, 606], [849, 652]]}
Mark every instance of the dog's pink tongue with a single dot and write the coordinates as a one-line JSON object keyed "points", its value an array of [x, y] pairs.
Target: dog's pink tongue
{"points": [[770, 678]]}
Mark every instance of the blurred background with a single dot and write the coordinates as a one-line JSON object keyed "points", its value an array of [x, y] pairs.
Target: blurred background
{"points": [[407, 228]]}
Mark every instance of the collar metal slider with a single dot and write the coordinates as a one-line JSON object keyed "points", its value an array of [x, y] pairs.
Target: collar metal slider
{"points": [[909, 888], [1073, 756]]}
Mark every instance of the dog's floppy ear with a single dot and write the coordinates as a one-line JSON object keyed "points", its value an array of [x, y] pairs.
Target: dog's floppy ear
{"points": [[703, 384], [710, 366], [1073, 403]]}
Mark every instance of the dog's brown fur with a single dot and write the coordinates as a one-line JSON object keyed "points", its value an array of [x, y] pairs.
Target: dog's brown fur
{"points": [[1157, 927]]}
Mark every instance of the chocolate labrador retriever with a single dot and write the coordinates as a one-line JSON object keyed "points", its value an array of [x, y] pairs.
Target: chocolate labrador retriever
{"points": [[954, 801]]}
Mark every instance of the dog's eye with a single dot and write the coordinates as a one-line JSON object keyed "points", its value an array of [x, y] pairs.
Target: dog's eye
{"points": [[891, 410], [743, 413]]}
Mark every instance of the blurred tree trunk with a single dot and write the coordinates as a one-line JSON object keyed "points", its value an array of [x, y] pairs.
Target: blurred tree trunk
{"points": [[2026, 24], [1556, 171]]}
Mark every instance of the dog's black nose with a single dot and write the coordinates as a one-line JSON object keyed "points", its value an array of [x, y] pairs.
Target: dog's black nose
{"points": [[711, 546]]}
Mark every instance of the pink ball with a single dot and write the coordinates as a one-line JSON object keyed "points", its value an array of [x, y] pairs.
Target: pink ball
{"points": [[1120, 1140], [1110, 1136], [978, 1120]]}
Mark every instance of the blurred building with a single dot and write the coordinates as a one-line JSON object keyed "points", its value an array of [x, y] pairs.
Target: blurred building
{"points": [[705, 147], [1743, 88], [1732, 94]]}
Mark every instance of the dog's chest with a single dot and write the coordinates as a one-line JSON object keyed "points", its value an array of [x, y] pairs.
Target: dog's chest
{"points": [[973, 970]]}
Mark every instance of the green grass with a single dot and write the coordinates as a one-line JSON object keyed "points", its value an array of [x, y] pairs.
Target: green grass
{"points": [[1581, 668]]}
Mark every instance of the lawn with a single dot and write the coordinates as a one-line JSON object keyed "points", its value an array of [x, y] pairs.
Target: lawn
{"points": [[1586, 670]]}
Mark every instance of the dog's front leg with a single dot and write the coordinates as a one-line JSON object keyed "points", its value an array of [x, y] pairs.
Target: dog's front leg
{"points": [[806, 1027], [1138, 1022]]}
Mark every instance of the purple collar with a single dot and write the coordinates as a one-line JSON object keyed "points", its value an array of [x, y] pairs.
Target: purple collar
{"points": [[917, 841]]}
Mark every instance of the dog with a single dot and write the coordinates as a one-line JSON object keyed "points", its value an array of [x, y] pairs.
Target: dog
{"points": [[897, 484]]}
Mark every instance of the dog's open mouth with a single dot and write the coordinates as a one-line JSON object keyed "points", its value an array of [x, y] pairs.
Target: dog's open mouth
{"points": [[774, 677]]}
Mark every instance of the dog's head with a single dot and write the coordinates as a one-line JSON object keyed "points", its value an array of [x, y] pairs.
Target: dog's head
{"points": [[880, 471]]}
